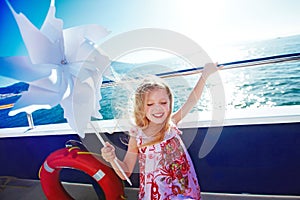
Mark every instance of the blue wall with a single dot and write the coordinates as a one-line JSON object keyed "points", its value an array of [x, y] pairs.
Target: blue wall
{"points": [[257, 159]]}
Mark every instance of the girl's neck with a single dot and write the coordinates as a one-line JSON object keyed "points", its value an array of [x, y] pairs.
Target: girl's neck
{"points": [[153, 129], [154, 133]]}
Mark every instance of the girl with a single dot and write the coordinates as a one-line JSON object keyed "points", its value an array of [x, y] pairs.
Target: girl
{"points": [[166, 169]]}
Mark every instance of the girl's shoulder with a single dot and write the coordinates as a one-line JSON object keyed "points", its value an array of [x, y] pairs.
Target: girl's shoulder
{"points": [[134, 131], [132, 144], [173, 132], [175, 129]]}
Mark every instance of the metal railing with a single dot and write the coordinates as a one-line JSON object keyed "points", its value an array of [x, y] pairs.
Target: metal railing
{"points": [[229, 65]]}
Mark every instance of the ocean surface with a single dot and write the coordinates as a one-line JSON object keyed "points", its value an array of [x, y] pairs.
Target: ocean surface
{"points": [[267, 85]]}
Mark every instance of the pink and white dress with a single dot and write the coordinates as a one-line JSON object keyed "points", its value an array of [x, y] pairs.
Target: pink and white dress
{"points": [[166, 169]]}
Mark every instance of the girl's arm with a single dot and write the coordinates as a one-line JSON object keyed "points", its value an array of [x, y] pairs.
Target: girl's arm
{"points": [[108, 153], [196, 93]]}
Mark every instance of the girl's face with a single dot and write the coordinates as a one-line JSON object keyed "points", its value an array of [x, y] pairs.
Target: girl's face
{"points": [[157, 105]]}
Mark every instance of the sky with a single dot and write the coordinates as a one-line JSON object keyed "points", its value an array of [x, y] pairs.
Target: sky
{"points": [[209, 23]]}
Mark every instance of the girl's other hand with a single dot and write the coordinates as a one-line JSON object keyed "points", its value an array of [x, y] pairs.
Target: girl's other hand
{"points": [[108, 152], [210, 68]]}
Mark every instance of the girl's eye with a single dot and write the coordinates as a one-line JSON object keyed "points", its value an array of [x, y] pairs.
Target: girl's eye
{"points": [[163, 103], [149, 104]]}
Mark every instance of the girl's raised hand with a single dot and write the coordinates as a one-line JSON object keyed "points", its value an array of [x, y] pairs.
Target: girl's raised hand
{"points": [[210, 68], [108, 152]]}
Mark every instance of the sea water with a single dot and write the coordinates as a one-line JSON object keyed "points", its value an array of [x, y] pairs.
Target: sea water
{"points": [[252, 87]]}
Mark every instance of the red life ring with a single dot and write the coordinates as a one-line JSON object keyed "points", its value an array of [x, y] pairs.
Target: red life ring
{"points": [[75, 158]]}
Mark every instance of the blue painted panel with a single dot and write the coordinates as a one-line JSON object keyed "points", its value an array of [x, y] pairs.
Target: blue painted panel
{"points": [[258, 159]]}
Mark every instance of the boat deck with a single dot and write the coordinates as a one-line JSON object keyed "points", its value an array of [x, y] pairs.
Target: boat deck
{"points": [[15, 189]]}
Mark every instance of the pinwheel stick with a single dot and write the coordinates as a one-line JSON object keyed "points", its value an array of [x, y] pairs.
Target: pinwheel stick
{"points": [[115, 160]]}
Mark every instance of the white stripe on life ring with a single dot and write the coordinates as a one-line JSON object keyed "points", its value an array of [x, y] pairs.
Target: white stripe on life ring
{"points": [[99, 175], [47, 168]]}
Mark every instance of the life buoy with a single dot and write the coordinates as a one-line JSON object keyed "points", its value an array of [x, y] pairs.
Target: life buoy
{"points": [[76, 158]]}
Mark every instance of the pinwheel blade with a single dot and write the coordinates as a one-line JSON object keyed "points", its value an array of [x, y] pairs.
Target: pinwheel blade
{"points": [[41, 49], [78, 108], [34, 99], [20, 68]]}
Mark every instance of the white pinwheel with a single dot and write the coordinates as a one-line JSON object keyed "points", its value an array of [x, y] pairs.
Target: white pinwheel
{"points": [[62, 67]]}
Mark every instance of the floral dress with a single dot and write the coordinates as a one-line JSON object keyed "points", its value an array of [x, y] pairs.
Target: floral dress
{"points": [[166, 169]]}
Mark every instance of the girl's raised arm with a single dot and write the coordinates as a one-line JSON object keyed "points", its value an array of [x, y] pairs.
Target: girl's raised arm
{"points": [[196, 93]]}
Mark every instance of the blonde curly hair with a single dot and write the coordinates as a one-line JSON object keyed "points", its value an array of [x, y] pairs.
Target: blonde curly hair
{"points": [[140, 118]]}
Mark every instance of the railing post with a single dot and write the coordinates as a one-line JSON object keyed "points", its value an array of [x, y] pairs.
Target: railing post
{"points": [[30, 121]]}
